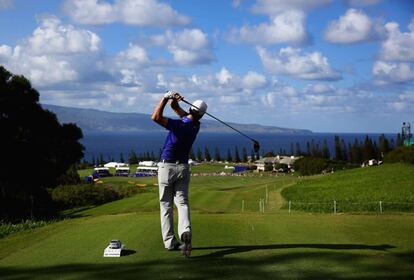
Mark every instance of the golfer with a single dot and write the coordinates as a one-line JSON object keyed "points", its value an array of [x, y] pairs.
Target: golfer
{"points": [[173, 169]]}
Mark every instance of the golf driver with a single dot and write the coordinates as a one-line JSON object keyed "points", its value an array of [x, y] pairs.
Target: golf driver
{"points": [[256, 145]]}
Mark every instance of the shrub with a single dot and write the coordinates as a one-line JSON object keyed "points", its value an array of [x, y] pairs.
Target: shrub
{"points": [[313, 165], [69, 196], [401, 154], [310, 165], [340, 165], [9, 228], [283, 166]]}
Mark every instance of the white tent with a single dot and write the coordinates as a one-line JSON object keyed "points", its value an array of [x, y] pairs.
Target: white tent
{"points": [[192, 162], [147, 163], [115, 164]]}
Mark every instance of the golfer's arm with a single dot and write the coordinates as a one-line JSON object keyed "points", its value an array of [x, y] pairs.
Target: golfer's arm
{"points": [[157, 115], [177, 109]]}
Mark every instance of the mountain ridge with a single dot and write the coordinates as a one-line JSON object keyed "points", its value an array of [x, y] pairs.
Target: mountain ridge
{"points": [[93, 120]]}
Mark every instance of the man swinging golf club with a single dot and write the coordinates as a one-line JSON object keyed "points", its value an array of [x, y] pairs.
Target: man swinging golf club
{"points": [[173, 169]]}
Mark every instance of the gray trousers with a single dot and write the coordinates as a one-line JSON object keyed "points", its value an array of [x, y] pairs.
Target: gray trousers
{"points": [[173, 181]]}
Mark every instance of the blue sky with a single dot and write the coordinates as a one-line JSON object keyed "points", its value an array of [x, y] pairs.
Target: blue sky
{"points": [[324, 65]]}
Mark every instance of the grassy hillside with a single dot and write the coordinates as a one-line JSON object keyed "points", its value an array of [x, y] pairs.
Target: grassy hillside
{"points": [[353, 190], [358, 189]]}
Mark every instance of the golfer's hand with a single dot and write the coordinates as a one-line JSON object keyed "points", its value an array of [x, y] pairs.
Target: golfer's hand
{"points": [[177, 97], [169, 95]]}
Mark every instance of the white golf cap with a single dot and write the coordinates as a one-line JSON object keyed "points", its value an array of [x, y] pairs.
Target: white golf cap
{"points": [[199, 106]]}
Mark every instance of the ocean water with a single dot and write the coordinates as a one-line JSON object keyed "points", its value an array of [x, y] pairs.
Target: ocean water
{"points": [[111, 145]]}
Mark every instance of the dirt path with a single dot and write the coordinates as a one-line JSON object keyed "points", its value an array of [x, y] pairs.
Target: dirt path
{"points": [[276, 200]]}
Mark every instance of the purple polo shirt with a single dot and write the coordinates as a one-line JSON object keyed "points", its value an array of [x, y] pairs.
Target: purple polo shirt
{"points": [[180, 139]]}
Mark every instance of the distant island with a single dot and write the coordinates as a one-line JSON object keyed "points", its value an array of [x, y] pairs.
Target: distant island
{"points": [[91, 120]]}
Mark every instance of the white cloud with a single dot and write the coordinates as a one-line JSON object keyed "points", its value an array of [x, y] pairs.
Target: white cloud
{"points": [[403, 103], [221, 83], [254, 80], [319, 88], [103, 96], [407, 97], [161, 82], [319, 100], [131, 67], [130, 77], [52, 37], [399, 45], [287, 27], [149, 13], [45, 69], [392, 72], [353, 27], [229, 88], [283, 95], [289, 100], [231, 83], [5, 52], [396, 56], [134, 12], [132, 57], [225, 99], [272, 7], [291, 61], [40, 69], [5, 4], [54, 53], [224, 76], [188, 47], [90, 11]]}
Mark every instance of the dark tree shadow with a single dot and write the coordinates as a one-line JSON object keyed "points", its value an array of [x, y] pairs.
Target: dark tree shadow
{"points": [[228, 250], [315, 261]]}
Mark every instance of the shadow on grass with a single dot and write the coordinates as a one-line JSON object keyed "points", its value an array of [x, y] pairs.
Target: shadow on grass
{"points": [[76, 212], [336, 263], [125, 253], [227, 250]]}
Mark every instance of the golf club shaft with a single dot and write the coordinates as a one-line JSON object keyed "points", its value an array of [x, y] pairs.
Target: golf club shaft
{"points": [[235, 129]]}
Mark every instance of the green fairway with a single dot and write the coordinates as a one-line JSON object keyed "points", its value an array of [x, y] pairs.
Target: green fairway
{"points": [[211, 168], [231, 238], [356, 190], [210, 194], [226, 246]]}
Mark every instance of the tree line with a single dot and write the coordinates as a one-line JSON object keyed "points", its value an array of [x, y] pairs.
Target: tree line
{"points": [[132, 158], [232, 155], [356, 152], [201, 154]]}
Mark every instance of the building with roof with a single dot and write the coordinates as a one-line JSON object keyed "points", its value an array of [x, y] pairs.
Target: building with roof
{"points": [[273, 163]]}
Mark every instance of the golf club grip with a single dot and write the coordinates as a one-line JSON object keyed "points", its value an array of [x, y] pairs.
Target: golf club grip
{"points": [[185, 101]]}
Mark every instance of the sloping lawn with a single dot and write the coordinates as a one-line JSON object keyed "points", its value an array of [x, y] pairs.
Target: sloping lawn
{"points": [[357, 190]]}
